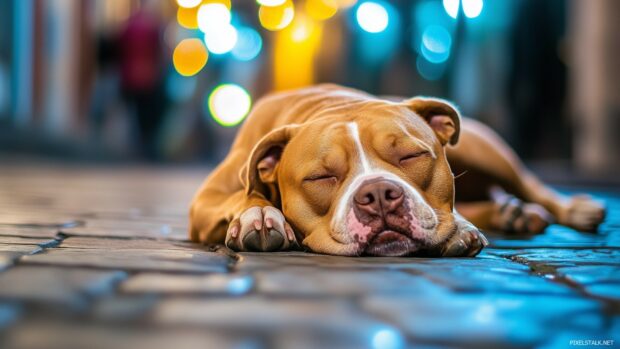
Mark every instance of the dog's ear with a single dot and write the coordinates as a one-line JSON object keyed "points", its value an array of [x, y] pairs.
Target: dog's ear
{"points": [[443, 117], [259, 173]]}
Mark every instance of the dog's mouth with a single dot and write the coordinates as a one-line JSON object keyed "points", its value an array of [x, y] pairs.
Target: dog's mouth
{"points": [[390, 243]]}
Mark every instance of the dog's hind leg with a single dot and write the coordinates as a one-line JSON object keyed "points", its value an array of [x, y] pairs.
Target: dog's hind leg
{"points": [[482, 151]]}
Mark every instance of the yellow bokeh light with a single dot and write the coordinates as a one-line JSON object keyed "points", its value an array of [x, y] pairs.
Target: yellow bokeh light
{"points": [[295, 49], [188, 17], [189, 57], [276, 17], [321, 9]]}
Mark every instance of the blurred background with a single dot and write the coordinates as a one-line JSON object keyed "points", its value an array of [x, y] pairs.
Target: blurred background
{"points": [[170, 81]]}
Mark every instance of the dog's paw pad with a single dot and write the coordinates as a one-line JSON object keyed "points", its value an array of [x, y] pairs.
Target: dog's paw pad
{"points": [[467, 242], [260, 230], [581, 212]]}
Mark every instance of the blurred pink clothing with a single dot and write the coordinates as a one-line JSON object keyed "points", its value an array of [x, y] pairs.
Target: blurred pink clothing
{"points": [[140, 53]]}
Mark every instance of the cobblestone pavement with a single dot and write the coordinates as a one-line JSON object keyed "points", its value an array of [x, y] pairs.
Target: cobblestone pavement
{"points": [[98, 258]]}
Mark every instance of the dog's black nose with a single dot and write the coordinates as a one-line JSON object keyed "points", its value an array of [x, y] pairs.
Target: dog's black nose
{"points": [[379, 197]]}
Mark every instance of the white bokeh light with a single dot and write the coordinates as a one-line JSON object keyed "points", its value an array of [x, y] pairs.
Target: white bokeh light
{"points": [[189, 3], [213, 17], [229, 104], [221, 40], [451, 7], [472, 8], [372, 17]]}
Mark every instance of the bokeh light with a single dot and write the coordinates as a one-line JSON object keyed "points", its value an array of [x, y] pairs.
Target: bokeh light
{"points": [[188, 3], [436, 44], [302, 29], [212, 17], [226, 3], [276, 17], [372, 17], [321, 9], [472, 8], [387, 338], [188, 17], [379, 47], [229, 104], [270, 2], [249, 44], [451, 7], [189, 57], [240, 285], [221, 40]]}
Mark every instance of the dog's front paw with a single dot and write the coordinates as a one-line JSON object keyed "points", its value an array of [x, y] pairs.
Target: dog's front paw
{"points": [[467, 242], [262, 229], [583, 213]]}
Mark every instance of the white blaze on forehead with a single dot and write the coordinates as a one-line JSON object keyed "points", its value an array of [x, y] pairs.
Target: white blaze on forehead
{"points": [[355, 134]]}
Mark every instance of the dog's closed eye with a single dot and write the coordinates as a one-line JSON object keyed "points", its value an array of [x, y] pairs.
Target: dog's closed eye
{"points": [[320, 178], [413, 156]]}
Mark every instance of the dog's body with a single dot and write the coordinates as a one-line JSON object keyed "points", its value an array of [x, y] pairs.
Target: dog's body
{"points": [[343, 172]]}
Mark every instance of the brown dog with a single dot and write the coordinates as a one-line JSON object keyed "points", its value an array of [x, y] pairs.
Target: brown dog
{"points": [[346, 173]]}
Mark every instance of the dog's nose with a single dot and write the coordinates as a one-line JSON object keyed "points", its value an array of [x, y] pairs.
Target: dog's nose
{"points": [[379, 197]]}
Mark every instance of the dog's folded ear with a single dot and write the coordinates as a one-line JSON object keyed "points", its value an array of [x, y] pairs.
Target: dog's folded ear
{"points": [[259, 173], [443, 117]]}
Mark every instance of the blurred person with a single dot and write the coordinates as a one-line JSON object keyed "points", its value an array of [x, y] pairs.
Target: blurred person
{"points": [[142, 61]]}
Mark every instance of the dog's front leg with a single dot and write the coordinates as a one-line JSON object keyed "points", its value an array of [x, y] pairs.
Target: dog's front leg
{"points": [[243, 222]]}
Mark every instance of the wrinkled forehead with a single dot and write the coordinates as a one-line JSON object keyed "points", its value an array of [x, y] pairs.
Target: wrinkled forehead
{"points": [[335, 139]]}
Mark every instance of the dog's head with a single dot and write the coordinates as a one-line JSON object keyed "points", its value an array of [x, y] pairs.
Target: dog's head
{"points": [[374, 180]]}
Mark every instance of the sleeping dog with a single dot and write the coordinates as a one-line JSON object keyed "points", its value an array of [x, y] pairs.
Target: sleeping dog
{"points": [[342, 172]]}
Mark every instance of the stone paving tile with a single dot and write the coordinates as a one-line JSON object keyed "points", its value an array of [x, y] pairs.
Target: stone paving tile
{"points": [[214, 284], [9, 253], [44, 334], [70, 287], [19, 240], [490, 320], [127, 230], [326, 321], [564, 257], [126, 244], [609, 290], [410, 277], [6, 230], [316, 281], [588, 274], [556, 237], [122, 308], [133, 259]]}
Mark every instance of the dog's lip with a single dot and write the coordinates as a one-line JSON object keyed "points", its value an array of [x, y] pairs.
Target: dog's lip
{"points": [[390, 243]]}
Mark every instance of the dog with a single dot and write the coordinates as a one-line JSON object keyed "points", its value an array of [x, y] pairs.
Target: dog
{"points": [[338, 171]]}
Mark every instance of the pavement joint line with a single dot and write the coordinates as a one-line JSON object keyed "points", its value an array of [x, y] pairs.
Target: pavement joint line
{"points": [[549, 271]]}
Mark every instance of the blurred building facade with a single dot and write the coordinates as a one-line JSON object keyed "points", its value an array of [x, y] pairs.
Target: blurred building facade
{"points": [[97, 79]]}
